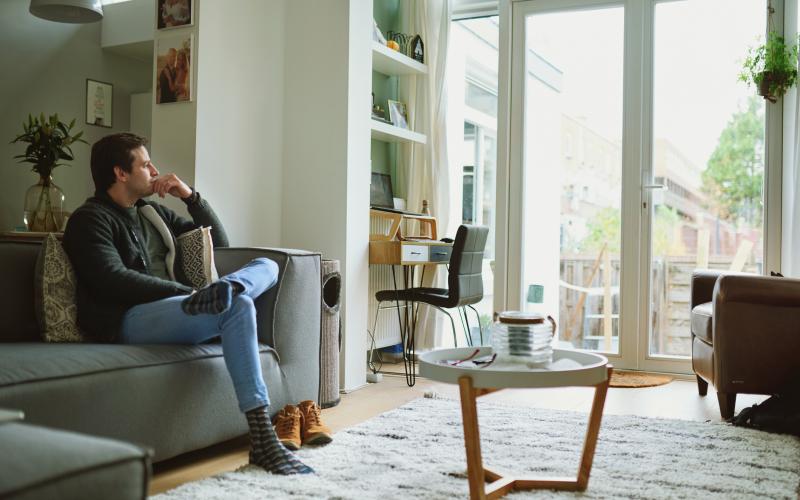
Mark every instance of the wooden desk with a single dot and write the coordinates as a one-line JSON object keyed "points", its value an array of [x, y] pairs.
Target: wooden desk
{"points": [[409, 253]]}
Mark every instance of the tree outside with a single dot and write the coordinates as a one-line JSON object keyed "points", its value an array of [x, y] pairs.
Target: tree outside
{"points": [[734, 176]]}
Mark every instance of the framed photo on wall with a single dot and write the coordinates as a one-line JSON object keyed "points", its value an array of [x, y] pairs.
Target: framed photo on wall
{"points": [[99, 103], [174, 13], [174, 69]]}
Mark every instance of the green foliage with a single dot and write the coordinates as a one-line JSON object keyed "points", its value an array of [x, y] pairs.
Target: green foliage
{"points": [[666, 236], [734, 175], [49, 142], [773, 62], [604, 229]]}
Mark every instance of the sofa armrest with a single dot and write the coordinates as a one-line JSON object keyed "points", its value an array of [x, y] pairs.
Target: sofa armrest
{"points": [[703, 281], [755, 289], [289, 314]]}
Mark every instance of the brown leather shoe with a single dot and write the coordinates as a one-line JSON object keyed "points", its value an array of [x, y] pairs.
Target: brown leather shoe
{"points": [[314, 431], [288, 423]]}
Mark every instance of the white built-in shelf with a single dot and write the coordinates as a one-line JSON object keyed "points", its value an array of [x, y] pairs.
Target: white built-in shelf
{"points": [[393, 63], [389, 133]]}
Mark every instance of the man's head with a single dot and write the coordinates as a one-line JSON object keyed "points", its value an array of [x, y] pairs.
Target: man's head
{"points": [[172, 55], [123, 159]]}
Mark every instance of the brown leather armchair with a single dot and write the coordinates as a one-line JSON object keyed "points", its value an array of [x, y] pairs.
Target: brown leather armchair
{"points": [[745, 334]]}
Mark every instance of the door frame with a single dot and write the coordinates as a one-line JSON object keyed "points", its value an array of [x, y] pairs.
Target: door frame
{"points": [[637, 142]]}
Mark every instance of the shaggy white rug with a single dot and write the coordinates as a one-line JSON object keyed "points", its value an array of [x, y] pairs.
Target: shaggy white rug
{"points": [[417, 451]]}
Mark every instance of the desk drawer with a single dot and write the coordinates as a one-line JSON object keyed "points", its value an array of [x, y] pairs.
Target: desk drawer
{"points": [[440, 253], [413, 253]]}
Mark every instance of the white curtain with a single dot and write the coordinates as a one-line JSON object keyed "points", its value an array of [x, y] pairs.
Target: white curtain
{"points": [[426, 173]]}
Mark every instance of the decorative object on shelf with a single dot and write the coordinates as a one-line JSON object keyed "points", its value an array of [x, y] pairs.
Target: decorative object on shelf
{"points": [[378, 113], [401, 39], [416, 49], [49, 141], [99, 103], [174, 14], [397, 114], [376, 33], [174, 69], [68, 11], [772, 66]]}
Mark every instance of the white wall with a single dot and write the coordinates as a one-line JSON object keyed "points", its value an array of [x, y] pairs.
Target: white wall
{"points": [[239, 159], [46, 66], [326, 152], [173, 142]]}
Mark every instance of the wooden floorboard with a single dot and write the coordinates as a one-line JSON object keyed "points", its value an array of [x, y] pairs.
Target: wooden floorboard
{"points": [[678, 399]]}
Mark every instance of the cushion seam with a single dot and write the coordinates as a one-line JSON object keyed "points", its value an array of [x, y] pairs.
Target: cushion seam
{"points": [[109, 370]]}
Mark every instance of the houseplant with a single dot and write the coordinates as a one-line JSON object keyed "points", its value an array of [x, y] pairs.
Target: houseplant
{"points": [[771, 67], [49, 142]]}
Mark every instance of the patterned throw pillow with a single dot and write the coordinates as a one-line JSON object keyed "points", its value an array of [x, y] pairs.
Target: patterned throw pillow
{"points": [[196, 256], [54, 287]]}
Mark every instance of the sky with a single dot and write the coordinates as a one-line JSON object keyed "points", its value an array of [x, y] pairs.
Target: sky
{"points": [[696, 65]]}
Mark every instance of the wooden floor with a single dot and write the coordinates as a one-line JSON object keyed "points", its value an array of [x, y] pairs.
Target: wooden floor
{"points": [[677, 399]]}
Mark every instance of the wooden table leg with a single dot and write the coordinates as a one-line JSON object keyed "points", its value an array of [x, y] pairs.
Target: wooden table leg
{"points": [[593, 431], [500, 485], [472, 439]]}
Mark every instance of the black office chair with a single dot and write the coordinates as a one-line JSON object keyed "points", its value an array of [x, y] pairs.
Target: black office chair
{"points": [[465, 287]]}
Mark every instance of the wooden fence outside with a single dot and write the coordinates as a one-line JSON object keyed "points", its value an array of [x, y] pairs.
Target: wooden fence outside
{"points": [[581, 319]]}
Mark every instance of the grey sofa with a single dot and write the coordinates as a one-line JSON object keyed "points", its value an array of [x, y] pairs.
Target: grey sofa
{"points": [[171, 399]]}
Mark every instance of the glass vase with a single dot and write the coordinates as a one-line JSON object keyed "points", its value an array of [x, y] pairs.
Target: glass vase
{"points": [[44, 206]]}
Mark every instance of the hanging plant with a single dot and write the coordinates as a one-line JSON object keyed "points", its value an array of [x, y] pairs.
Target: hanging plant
{"points": [[771, 67]]}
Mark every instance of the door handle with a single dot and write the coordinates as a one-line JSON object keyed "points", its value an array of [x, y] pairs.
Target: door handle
{"points": [[655, 186]]}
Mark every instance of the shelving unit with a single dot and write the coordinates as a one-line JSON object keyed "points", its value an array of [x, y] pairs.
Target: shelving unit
{"points": [[393, 63], [389, 133]]}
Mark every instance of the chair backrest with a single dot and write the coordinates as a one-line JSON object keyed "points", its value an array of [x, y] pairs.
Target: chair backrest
{"points": [[465, 280]]}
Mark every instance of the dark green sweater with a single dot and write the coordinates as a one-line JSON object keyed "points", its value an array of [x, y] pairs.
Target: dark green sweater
{"points": [[106, 248]]}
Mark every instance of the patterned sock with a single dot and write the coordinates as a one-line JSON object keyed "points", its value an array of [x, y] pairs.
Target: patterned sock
{"points": [[266, 450], [212, 299]]}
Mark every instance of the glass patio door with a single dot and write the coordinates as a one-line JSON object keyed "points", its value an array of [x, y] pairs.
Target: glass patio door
{"points": [[566, 186], [622, 119], [706, 174]]}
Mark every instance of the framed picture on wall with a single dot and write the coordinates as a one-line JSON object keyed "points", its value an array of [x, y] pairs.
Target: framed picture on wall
{"points": [[99, 103], [174, 69], [174, 13]]}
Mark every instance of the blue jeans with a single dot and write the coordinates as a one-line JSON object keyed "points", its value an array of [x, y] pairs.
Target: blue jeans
{"points": [[164, 322]]}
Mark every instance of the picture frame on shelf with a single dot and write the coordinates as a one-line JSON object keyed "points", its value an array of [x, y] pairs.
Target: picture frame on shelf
{"points": [[173, 78], [398, 114], [99, 103], [416, 49], [174, 14]]}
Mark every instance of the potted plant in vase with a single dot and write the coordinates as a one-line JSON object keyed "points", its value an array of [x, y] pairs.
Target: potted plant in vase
{"points": [[771, 67], [49, 142]]}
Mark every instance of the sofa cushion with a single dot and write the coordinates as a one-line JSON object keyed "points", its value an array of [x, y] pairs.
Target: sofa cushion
{"points": [[55, 299], [701, 321], [17, 262], [196, 257], [31, 362], [48, 463]]}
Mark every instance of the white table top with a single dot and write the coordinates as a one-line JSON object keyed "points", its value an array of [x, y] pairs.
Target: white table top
{"points": [[568, 368]]}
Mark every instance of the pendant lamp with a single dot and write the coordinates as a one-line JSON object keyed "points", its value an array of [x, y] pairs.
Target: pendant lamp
{"points": [[68, 11]]}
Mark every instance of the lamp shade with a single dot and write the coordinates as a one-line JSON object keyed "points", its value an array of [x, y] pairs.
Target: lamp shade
{"points": [[68, 11]]}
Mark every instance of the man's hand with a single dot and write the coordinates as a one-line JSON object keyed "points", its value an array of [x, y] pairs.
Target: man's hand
{"points": [[171, 184]]}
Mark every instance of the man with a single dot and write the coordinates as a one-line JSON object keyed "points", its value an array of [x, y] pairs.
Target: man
{"points": [[119, 245], [166, 79]]}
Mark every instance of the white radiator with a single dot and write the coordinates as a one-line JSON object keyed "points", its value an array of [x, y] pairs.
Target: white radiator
{"points": [[387, 329]]}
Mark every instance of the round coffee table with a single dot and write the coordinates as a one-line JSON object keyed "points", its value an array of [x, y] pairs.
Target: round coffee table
{"points": [[568, 368]]}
